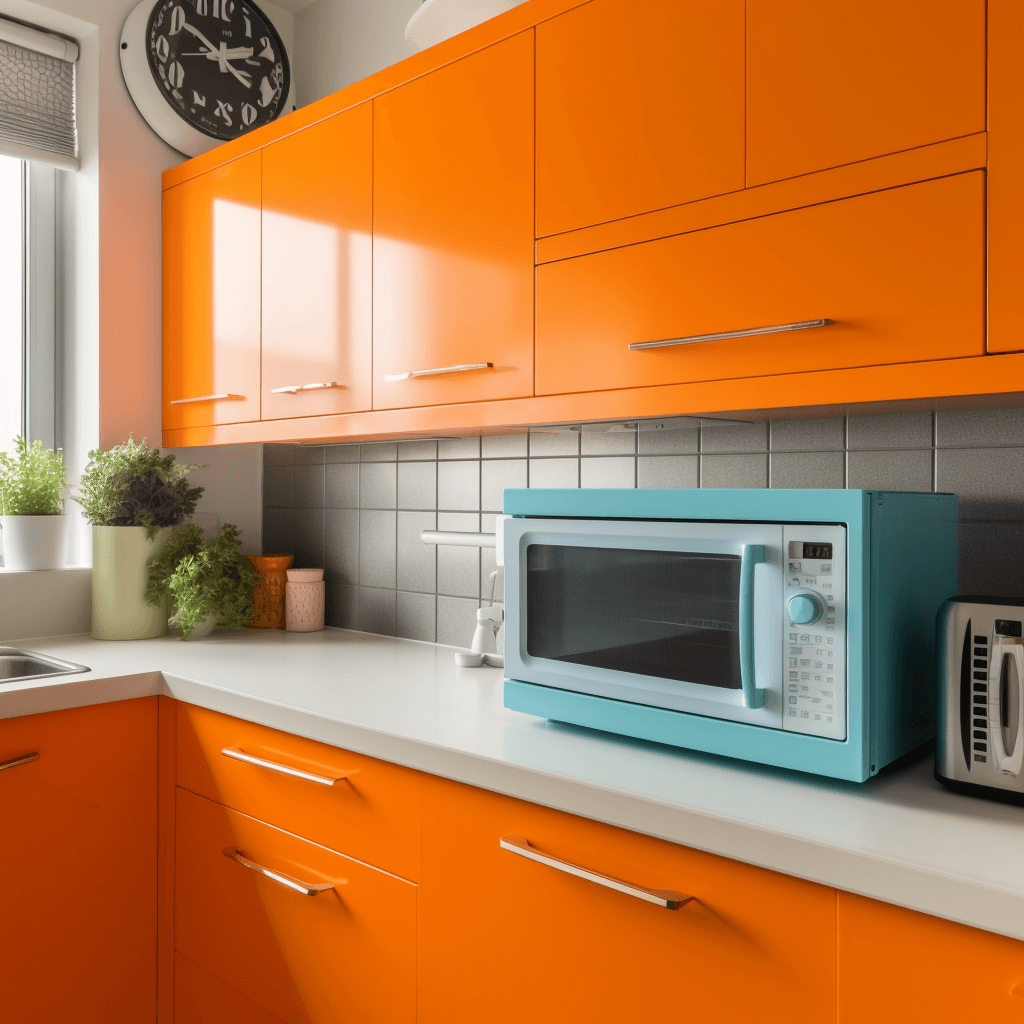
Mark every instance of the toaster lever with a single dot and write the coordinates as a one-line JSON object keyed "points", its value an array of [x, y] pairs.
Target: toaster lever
{"points": [[1004, 647]]}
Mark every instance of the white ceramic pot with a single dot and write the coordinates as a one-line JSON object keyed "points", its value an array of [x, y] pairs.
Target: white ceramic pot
{"points": [[33, 542], [119, 611], [203, 628]]}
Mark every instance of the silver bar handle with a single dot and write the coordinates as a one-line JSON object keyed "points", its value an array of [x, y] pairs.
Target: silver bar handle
{"points": [[750, 332], [459, 540], [293, 389], [15, 761], [306, 888], [667, 898], [297, 773], [203, 398], [461, 368]]}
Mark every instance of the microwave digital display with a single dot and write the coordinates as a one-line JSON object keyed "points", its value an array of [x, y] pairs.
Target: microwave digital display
{"points": [[823, 551]]}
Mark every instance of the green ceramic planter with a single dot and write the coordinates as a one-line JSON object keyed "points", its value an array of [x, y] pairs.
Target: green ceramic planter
{"points": [[119, 611]]}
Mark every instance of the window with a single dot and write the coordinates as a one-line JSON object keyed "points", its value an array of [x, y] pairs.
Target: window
{"points": [[12, 313]]}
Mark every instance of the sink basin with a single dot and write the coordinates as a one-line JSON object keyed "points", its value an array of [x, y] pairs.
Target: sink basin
{"points": [[16, 665]]}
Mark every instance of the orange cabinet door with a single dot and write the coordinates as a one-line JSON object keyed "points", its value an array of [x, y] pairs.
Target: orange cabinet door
{"points": [[639, 107], [900, 274], [211, 271], [318, 268], [896, 966], [200, 998], [453, 232], [371, 812], [78, 865], [506, 939], [830, 82], [322, 940]]}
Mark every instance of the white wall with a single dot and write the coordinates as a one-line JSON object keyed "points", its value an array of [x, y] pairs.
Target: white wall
{"points": [[337, 42]]}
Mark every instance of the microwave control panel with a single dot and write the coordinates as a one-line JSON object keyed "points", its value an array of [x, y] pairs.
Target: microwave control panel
{"points": [[814, 630]]}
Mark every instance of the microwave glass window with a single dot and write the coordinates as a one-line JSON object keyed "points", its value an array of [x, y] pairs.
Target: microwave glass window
{"points": [[669, 614]]}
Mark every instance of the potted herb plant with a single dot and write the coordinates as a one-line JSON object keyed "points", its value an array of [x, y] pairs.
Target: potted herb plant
{"points": [[31, 506], [132, 496], [207, 583]]}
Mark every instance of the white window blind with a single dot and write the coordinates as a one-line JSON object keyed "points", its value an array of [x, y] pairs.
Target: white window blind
{"points": [[37, 96]]}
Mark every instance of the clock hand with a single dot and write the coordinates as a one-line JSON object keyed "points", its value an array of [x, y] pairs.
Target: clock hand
{"points": [[225, 65], [206, 42]]}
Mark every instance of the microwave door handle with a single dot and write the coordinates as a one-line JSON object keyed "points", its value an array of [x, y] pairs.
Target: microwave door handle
{"points": [[1008, 764], [753, 555]]}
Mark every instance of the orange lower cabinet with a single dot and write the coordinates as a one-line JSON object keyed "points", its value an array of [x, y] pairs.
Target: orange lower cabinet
{"points": [[200, 998], [899, 273], [504, 937], [78, 847], [896, 966], [304, 933]]}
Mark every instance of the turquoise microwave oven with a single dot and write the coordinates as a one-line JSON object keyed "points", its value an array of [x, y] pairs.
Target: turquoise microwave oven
{"points": [[793, 628]]}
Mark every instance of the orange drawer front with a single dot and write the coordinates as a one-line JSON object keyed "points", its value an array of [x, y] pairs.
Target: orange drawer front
{"points": [[346, 953], [371, 814], [900, 274]]}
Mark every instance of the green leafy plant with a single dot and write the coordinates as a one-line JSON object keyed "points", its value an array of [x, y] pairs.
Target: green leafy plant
{"points": [[202, 578], [32, 481], [133, 485]]}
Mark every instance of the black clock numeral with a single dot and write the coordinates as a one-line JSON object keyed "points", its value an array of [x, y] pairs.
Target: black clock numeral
{"points": [[249, 114], [163, 48], [177, 20], [176, 74], [224, 110], [224, 9]]}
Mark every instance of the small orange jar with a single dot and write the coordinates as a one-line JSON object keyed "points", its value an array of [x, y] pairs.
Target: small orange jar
{"points": [[268, 597]]}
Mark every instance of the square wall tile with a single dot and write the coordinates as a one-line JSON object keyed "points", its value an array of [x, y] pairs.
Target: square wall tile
{"points": [[564, 442], [890, 470], [615, 443], [417, 617], [734, 471], [417, 485], [334, 453], [733, 437], [378, 451], [377, 611], [458, 486], [342, 606], [341, 485], [670, 441], [890, 431], [990, 559], [277, 530], [668, 471], [458, 568], [495, 477], [417, 451], [458, 448], [988, 481], [278, 486], [309, 455], [505, 446], [417, 562], [378, 485], [554, 472], [608, 472], [278, 455], [378, 548], [308, 486], [828, 435], [341, 545], [807, 469], [456, 621], [308, 538], [979, 428]]}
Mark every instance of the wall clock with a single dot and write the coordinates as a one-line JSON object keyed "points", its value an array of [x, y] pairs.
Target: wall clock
{"points": [[204, 71]]}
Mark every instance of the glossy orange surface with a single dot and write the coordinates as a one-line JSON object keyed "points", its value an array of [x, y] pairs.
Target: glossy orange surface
{"points": [[639, 107], [896, 966], [211, 298], [833, 81], [453, 230], [899, 272], [502, 938], [78, 866], [166, 725], [318, 267], [372, 815], [344, 955], [200, 998]]}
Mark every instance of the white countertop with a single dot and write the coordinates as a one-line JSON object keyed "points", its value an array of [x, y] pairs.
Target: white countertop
{"points": [[900, 837]]}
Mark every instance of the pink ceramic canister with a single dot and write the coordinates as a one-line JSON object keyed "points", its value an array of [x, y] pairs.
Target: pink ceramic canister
{"points": [[304, 601]]}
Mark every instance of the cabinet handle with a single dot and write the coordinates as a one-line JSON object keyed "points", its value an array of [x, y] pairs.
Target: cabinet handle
{"points": [[695, 339], [667, 898], [323, 780], [306, 888], [461, 368], [293, 389], [15, 761], [205, 398]]}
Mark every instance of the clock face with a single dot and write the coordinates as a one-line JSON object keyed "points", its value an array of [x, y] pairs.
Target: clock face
{"points": [[219, 64]]}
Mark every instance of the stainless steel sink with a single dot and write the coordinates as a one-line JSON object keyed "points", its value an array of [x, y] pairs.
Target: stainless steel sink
{"points": [[16, 665]]}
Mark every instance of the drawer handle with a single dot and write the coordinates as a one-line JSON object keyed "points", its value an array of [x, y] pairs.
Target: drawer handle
{"points": [[461, 368], [695, 339], [667, 898], [306, 888], [293, 389], [323, 780], [206, 398], [15, 761]]}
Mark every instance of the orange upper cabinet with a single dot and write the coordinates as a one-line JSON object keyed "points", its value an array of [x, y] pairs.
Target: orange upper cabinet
{"points": [[639, 107], [318, 268], [830, 82], [453, 232], [211, 303], [899, 273]]}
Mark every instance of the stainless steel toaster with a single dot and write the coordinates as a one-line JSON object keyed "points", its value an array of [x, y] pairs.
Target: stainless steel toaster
{"points": [[980, 736]]}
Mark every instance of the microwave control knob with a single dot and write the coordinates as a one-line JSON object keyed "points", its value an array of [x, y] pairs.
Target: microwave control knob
{"points": [[804, 609]]}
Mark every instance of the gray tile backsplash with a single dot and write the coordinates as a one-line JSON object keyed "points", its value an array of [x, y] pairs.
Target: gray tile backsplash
{"points": [[359, 509]]}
